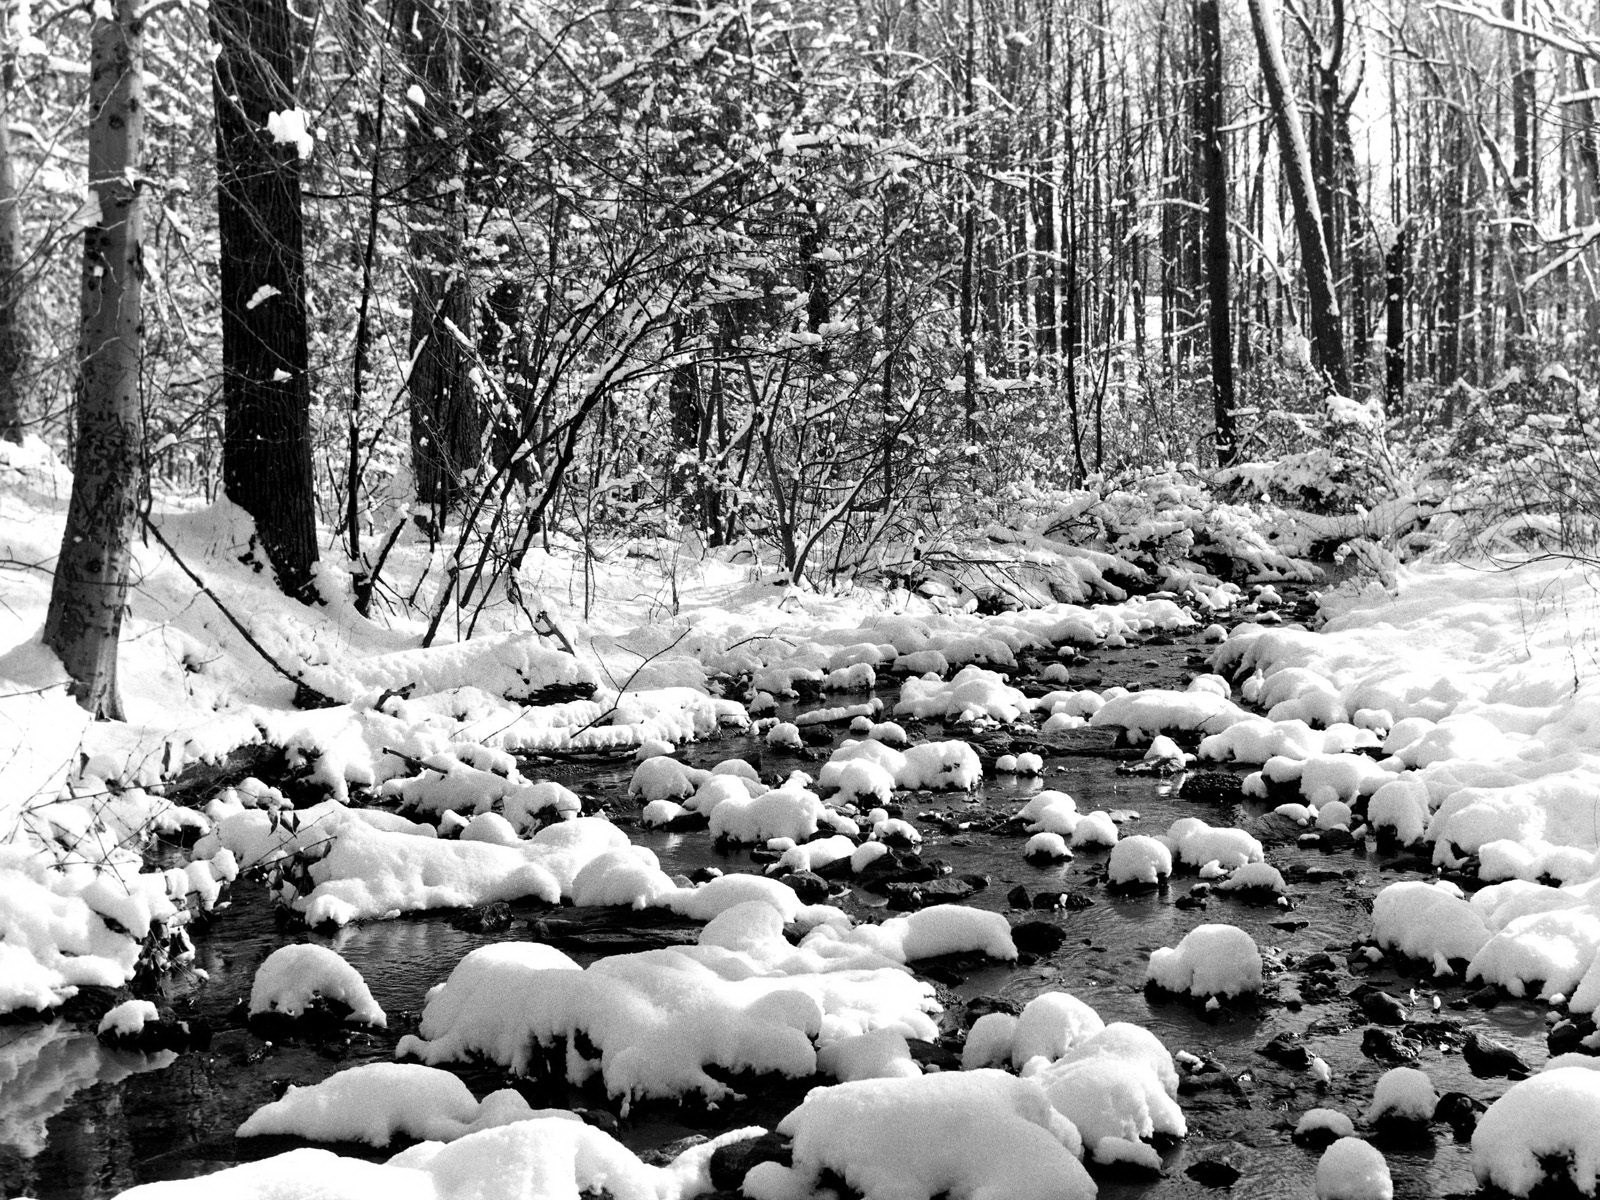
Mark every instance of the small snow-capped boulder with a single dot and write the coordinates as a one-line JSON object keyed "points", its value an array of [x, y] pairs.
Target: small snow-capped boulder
{"points": [[1259, 882], [1544, 1129], [979, 1133], [662, 778], [1139, 861], [1403, 1095], [1210, 961], [140, 1025], [1350, 1169], [312, 984], [1319, 1126]]}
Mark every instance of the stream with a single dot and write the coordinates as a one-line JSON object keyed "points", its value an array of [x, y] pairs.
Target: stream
{"points": [[79, 1121]]}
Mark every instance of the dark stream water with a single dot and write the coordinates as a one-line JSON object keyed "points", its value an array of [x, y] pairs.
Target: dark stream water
{"points": [[78, 1121]]}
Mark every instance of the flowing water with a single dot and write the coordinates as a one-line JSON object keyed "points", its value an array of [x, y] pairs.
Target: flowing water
{"points": [[80, 1121]]}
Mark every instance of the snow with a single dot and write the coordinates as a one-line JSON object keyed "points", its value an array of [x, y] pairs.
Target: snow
{"points": [[1117, 1084], [1196, 843], [1402, 1094], [541, 1156], [1209, 961], [1350, 1169], [1324, 1120], [293, 978], [743, 999], [289, 127], [1157, 711], [970, 1135], [1139, 859], [1550, 1118], [1428, 921], [377, 1103], [128, 1019]]}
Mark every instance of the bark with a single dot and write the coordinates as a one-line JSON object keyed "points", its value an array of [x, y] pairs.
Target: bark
{"points": [[1326, 339], [1394, 339], [91, 580], [446, 424], [13, 341], [1212, 167], [266, 390]]}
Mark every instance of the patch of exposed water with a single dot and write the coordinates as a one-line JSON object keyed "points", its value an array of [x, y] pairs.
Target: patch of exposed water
{"points": [[78, 1121]]}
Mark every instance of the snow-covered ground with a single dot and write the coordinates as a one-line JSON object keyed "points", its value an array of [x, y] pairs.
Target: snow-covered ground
{"points": [[1458, 712]]}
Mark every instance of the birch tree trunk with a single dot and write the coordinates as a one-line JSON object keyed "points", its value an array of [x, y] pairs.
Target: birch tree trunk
{"points": [[91, 580], [1326, 339]]}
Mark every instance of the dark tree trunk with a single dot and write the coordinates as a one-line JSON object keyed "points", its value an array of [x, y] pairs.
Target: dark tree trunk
{"points": [[266, 391], [1212, 167], [91, 581], [1394, 307], [446, 424]]}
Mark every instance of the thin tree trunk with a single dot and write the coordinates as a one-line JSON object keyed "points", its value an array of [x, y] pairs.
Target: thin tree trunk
{"points": [[1212, 168], [13, 341], [1326, 337], [91, 581], [1394, 341], [266, 391]]}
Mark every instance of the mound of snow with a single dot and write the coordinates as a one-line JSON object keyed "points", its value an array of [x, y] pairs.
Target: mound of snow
{"points": [[1210, 960], [1350, 1169], [294, 978], [656, 1021], [970, 1135], [1139, 859], [1547, 1125]]}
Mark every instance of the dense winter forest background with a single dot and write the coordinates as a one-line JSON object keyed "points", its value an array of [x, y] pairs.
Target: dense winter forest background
{"points": [[819, 279]]}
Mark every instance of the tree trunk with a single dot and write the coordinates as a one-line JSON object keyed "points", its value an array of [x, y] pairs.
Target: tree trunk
{"points": [[1326, 339], [266, 391], [91, 580], [1394, 340], [446, 425], [1212, 168], [13, 341]]}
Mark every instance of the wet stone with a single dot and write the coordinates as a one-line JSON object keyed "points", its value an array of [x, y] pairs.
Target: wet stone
{"points": [[807, 885], [1489, 1059], [1038, 937], [1212, 787], [1381, 1008], [1566, 1036], [488, 918], [1387, 1045], [1287, 1050], [1460, 1112], [732, 1162], [1213, 1173]]}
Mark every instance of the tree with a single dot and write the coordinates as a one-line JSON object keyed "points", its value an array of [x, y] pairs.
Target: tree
{"points": [[13, 342], [446, 424], [91, 580], [266, 390], [1213, 169], [1326, 337]]}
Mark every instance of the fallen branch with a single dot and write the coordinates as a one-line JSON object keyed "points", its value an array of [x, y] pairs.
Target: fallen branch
{"points": [[305, 696]]}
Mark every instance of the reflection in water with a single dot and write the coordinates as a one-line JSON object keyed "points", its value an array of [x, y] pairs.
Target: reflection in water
{"points": [[43, 1071]]}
